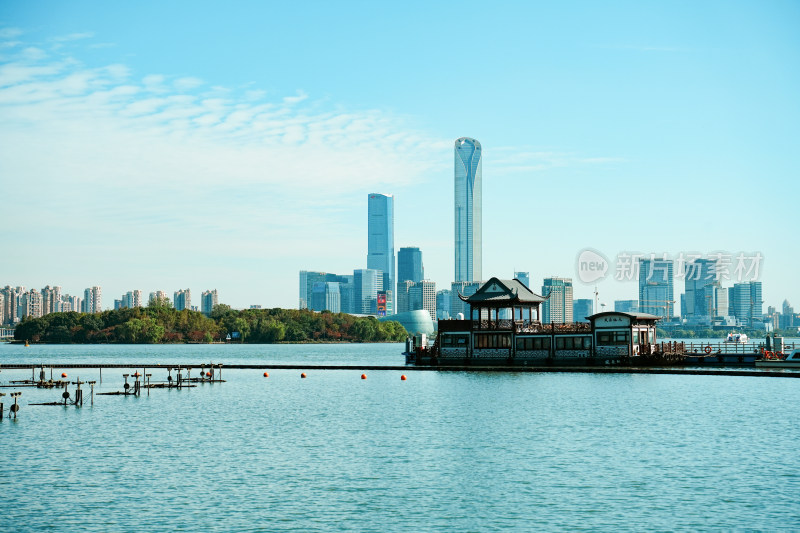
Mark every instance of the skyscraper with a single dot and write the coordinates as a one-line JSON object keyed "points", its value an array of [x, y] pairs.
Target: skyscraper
{"points": [[656, 288], [700, 282], [409, 265], [93, 300], [557, 308], [581, 309], [467, 196], [380, 242], [524, 277], [366, 284]]}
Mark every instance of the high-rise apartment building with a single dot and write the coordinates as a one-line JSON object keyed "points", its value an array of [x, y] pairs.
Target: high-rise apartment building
{"points": [[557, 308], [31, 304], [207, 301], [467, 196], [92, 300], [159, 298], [380, 241], [582, 308], [182, 299], [409, 265], [51, 300], [656, 287]]}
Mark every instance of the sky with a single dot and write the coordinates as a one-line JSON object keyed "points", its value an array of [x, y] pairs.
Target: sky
{"points": [[207, 145]]}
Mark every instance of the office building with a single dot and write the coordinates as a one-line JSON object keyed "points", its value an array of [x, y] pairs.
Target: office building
{"points": [[208, 299], [182, 299], [626, 306], [380, 242], [409, 265], [581, 309], [656, 287], [524, 277], [745, 302], [467, 215], [366, 284], [700, 284], [326, 297], [457, 305], [423, 296], [557, 308], [721, 305], [402, 296], [442, 304]]}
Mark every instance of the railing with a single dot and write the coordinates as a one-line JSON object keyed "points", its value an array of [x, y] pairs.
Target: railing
{"points": [[714, 348]]}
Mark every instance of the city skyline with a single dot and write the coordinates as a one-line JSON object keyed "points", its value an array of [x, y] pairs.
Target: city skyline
{"points": [[172, 162]]}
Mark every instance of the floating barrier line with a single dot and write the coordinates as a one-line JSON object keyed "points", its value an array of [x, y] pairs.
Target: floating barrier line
{"points": [[448, 368]]}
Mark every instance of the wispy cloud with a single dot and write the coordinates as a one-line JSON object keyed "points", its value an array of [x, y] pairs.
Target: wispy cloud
{"points": [[519, 159]]}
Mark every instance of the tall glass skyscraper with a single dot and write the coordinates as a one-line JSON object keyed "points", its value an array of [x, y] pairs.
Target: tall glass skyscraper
{"points": [[656, 287], [468, 180], [380, 244], [409, 265]]}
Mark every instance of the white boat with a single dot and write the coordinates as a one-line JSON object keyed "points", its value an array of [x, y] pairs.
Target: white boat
{"points": [[791, 361], [737, 338]]}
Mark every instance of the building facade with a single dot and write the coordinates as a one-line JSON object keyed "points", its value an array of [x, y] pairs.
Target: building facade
{"points": [[366, 284], [380, 241], [524, 277], [326, 297], [582, 308], [656, 295], [626, 306], [92, 300], [182, 299], [699, 286], [207, 301], [409, 265], [557, 308], [467, 216]]}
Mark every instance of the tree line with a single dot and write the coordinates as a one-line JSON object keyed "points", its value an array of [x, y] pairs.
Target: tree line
{"points": [[160, 323]]}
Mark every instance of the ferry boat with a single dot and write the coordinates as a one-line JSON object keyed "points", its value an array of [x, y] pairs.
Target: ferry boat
{"points": [[778, 361], [504, 329], [737, 338]]}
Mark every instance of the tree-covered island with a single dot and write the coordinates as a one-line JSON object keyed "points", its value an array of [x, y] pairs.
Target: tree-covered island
{"points": [[160, 323]]}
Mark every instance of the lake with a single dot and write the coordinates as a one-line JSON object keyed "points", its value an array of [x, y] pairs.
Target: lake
{"points": [[440, 451]]}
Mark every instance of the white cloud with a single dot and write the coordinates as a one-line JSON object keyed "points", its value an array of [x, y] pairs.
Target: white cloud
{"points": [[10, 33]]}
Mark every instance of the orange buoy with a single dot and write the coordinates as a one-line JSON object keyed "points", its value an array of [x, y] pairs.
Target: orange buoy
{"points": [[266, 374], [363, 376], [403, 377], [208, 374], [303, 375], [63, 374], [136, 374]]}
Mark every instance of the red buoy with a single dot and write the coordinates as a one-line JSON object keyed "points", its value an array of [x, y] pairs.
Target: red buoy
{"points": [[363, 376], [303, 375], [266, 374], [403, 377], [63, 374]]}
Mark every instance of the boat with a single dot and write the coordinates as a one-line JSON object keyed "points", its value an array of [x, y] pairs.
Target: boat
{"points": [[778, 360], [504, 329], [737, 338]]}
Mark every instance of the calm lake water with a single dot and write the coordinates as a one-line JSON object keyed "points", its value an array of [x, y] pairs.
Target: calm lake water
{"points": [[442, 451]]}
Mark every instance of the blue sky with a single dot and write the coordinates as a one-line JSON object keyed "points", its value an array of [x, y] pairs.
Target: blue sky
{"points": [[166, 145]]}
